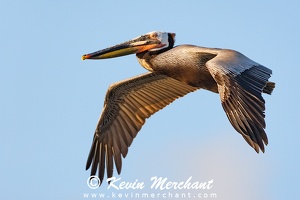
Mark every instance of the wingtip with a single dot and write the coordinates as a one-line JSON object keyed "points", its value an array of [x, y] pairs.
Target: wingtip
{"points": [[258, 148]]}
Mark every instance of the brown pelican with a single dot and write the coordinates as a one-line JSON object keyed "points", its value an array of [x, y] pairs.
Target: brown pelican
{"points": [[174, 72]]}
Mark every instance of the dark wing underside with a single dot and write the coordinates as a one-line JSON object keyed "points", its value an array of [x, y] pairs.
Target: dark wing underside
{"points": [[127, 104], [241, 82]]}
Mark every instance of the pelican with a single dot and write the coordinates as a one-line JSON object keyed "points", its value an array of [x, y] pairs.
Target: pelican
{"points": [[173, 73]]}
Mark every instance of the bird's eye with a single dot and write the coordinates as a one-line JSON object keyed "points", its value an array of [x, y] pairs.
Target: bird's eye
{"points": [[153, 35]]}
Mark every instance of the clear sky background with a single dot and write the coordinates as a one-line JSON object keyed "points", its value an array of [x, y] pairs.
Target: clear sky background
{"points": [[51, 100]]}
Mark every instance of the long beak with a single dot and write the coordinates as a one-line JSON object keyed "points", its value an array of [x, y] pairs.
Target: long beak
{"points": [[136, 45]]}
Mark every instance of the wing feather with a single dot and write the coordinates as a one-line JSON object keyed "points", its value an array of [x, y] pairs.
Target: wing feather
{"points": [[241, 82], [127, 105]]}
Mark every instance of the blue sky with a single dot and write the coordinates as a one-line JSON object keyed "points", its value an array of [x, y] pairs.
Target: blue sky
{"points": [[51, 100]]}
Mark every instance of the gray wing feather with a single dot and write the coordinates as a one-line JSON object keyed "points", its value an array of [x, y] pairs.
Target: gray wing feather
{"points": [[127, 105], [241, 82]]}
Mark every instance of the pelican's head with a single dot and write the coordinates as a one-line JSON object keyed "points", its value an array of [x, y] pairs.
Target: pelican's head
{"points": [[155, 41]]}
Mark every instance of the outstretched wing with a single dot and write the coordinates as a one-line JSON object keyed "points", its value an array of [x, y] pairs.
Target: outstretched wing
{"points": [[127, 104], [241, 82]]}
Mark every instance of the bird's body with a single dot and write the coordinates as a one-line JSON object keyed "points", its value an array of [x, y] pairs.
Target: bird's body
{"points": [[174, 72], [188, 67]]}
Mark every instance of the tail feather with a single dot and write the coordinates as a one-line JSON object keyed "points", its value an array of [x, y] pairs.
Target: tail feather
{"points": [[269, 87]]}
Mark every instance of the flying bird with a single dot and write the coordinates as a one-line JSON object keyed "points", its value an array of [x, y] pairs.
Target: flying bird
{"points": [[175, 71]]}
